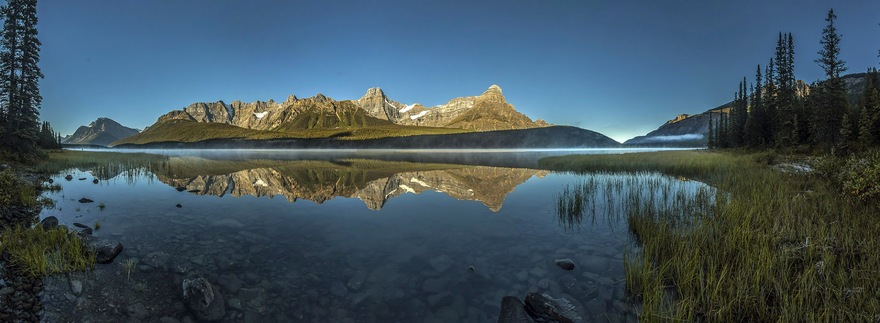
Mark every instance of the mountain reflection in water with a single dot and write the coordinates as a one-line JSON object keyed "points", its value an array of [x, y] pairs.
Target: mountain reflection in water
{"points": [[374, 182]]}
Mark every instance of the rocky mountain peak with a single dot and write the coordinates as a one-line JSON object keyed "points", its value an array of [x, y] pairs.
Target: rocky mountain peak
{"points": [[493, 94], [374, 92], [678, 118], [290, 100], [102, 131], [320, 98]]}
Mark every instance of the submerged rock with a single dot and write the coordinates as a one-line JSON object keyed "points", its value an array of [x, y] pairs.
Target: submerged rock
{"points": [[180, 188], [203, 299], [85, 200], [566, 263], [105, 250], [178, 205], [546, 308], [95, 181], [49, 223], [68, 177], [513, 311]]}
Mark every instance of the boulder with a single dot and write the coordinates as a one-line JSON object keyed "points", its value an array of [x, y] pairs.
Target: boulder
{"points": [[204, 299], [548, 309], [105, 250], [513, 311]]}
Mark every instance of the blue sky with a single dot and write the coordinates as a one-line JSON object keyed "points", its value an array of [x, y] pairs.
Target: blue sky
{"points": [[618, 67]]}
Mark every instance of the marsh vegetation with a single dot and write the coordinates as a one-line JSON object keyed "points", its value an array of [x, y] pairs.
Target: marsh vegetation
{"points": [[766, 246]]}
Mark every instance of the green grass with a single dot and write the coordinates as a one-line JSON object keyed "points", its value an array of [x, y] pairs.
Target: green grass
{"points": [[38, 252], [766, 246], [128, 265], [16, 192], [191, 131]]}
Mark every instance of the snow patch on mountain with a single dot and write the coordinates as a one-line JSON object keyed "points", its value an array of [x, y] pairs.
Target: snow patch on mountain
{"points": [[407, 188], [407, 108], [260, 115], [419, 115], [417, 181]]}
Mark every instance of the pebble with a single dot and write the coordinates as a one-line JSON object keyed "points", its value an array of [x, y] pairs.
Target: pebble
{"points": [[566, 264], [76, 287], [338, 289]]}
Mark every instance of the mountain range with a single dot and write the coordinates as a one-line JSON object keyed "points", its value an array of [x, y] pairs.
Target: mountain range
{"points": [[374, 120], [102, 131], [372, 181]]}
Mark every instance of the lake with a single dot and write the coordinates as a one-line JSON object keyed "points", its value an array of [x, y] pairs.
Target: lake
{"points": [[343, 236]]}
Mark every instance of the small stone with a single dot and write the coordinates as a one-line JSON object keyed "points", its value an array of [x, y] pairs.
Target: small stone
{"points": [[178, 205], [472, 269], [230, 283], [566, 263], [76, 287], [338, 289], [82, 178], [6, 290], [234, 303], [95, 181], [80, 225], [180, 188], [357, 280], [68, 177], [138, 311], [85, 200], [49, 223]]}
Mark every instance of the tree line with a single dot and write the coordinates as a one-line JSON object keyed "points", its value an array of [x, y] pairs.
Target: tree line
{"points": [[21, 132], [777, 110]]}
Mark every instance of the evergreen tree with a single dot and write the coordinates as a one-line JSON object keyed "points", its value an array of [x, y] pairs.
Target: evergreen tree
{"points": [[831, 103], [20, 75], [770, 103], [755, 124], [711, 143], [869, 116], [785, 95]]}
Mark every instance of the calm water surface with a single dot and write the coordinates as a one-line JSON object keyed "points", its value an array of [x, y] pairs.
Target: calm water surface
{"points": [[349, 236]]}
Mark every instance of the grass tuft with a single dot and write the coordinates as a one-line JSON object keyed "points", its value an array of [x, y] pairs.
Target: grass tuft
{"points": [[39, 252]]}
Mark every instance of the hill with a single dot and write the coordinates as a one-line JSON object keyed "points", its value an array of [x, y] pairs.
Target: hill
{"points": [[102, 131], [692, 130]]}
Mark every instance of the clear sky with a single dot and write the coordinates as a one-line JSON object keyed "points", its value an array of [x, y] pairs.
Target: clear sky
{"points": [[618, 67]]}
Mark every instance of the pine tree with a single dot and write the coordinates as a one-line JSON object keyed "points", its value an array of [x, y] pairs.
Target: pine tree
{"points": [[832, 101], [785, 96], [755, 122], [711, 143], [869, 118], [770, 103], [20, 75]]}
